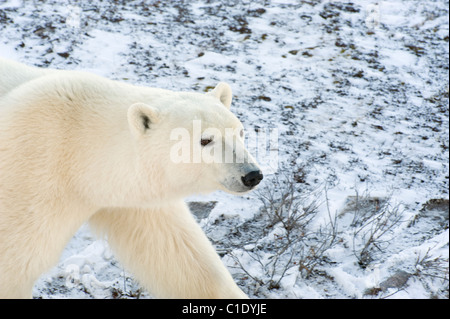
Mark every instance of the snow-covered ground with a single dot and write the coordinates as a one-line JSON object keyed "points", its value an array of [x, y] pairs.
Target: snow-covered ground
{"points": [[358, 95]]}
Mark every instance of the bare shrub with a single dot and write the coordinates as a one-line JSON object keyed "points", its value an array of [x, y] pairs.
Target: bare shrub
{"points": [[286, 239], [433, 272], [373, 219]]}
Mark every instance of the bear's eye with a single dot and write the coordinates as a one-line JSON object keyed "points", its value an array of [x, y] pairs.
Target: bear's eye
{"points": [[206, 141]]}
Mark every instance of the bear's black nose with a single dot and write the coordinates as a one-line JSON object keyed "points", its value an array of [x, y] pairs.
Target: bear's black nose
{"points": [[252, 179]]}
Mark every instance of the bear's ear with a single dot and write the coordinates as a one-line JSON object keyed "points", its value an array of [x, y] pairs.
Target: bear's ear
{"points": [[141, 116], [223, 92]]}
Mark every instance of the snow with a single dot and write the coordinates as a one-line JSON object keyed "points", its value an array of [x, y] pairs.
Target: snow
{"points": [[358, 93]]}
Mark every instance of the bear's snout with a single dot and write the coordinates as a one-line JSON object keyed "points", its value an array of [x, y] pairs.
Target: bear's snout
{"points": [[252, 179]]}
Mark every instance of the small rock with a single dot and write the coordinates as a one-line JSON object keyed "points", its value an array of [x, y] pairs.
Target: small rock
{"points": [[201, 209], [398, 280], [65, 55]]}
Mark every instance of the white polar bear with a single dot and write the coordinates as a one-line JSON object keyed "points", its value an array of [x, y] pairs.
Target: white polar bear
{"points": [[75, 147]]}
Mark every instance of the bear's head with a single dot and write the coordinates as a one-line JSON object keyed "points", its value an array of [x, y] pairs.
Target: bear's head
{"points": [[191, 143]]}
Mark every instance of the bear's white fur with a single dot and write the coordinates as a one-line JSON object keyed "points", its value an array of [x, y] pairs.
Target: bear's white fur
{"points": [[76, 147]]}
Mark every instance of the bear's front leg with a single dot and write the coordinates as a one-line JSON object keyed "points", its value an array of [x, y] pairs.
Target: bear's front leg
{"points": [[32, 239], [167, 251]]}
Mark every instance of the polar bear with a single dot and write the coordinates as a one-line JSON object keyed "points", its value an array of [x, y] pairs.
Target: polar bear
{"points": [[76, 147]]}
